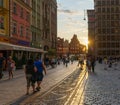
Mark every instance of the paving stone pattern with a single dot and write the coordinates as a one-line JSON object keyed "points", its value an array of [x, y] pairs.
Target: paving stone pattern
{"points": [[103, 87]]}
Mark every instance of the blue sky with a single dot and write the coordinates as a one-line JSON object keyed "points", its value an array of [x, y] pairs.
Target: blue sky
{"points": [[70, 18]]}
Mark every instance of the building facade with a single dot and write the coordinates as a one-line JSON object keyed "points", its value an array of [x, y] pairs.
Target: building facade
{"points": [[107, 27], [49, 24], [91, 32], [4, 21], [36, 23], [74, 46], [20, 24], [15, 32], [62, 47]]}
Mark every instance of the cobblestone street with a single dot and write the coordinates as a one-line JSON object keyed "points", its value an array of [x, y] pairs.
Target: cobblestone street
{"points": [[99, 88], [103, 87], [66, 86]]}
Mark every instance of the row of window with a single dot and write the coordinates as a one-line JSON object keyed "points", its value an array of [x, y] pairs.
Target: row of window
{"points": [[108, 31], [108, 24], [20, 31], [108, 45], [108, 9], [107, 2], [21, 13], [107, 38], [108, 52], [108, 16]]}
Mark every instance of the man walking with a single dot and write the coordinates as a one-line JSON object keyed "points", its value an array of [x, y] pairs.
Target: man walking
{"points": [[39, 74], [93, 64], [2, 65]]}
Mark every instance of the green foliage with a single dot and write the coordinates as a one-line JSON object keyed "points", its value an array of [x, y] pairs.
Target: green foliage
{"points": [[51, 52]]}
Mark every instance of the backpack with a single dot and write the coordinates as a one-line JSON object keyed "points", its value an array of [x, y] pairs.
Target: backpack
{"points": [[29, 69]]}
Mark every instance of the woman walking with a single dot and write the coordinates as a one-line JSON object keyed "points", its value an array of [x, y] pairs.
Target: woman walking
{"points": [[10, 66]]}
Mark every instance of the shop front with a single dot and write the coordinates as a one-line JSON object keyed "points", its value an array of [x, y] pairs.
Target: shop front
{"points": [[20, 53]]}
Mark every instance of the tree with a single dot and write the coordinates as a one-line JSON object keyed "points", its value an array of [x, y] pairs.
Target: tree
{"points": [[51, 52]]}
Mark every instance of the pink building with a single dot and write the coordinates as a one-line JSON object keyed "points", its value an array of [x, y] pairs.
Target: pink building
{"points": [[20, 22]]}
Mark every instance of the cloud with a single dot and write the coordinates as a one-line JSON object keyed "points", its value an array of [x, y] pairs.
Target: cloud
{"points": [[67, 11]]}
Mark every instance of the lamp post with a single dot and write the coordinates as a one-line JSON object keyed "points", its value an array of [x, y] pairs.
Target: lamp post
{"points": [[84, 16]]}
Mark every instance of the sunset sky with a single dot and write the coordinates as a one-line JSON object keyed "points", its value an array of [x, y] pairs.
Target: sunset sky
{"points": [[70, 18]]}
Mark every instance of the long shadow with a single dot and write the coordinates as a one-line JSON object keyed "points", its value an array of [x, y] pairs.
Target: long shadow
{"points": [[20, 100]]}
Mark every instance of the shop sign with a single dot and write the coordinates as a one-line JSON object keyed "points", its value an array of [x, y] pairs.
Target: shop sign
{"points": [[19, 42]]}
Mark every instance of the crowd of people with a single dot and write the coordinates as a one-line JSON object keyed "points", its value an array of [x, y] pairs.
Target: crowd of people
{"points": [[36, 69]]}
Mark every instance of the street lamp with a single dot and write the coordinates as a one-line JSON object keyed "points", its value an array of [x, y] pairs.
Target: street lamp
{"points": [[84, 16]]}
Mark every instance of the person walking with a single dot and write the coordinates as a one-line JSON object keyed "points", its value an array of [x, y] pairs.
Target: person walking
{"points": [[88, 64], [10, 66], [2, 65], [39, 74], [30, 71], [93, 64]]}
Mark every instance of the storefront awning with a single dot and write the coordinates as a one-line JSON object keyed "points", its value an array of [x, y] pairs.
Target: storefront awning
{"points": [[8, 46]]}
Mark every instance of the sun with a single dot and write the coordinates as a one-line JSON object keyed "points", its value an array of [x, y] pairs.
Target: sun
{"points": [[86, 42]]}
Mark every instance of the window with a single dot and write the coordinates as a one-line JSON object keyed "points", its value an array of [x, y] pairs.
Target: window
{"points": [[112, 2], [1, 3], [21, 13], [14, 8], [112, 9], [14, 30], [21, 30], [103, 2], [117, 9], [1, 22], [27, 17], [108, 10], [99, 10], [103, 9], [27, 32]]}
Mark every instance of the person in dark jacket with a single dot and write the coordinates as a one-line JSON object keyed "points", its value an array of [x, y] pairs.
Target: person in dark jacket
{"points": [[30, 70], [93, 64]]}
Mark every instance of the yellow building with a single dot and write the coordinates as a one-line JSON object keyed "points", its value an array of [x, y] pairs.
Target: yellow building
{"points": [[4, 20]]}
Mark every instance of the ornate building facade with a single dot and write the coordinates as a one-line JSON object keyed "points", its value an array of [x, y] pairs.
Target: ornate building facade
{"points": [[62, 47], [49, 24], [74, 46], [20, 22]]}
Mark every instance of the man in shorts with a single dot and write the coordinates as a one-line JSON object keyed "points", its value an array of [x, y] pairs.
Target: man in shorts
{"points": [[39, 74]]}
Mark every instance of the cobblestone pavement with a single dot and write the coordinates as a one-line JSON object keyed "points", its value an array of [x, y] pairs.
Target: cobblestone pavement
{"points": [[64, 93], [99, 88], [12, 92], [103, 87]]}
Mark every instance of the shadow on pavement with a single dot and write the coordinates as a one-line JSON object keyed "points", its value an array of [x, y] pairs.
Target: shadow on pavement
{"points": [[21, 99]]}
